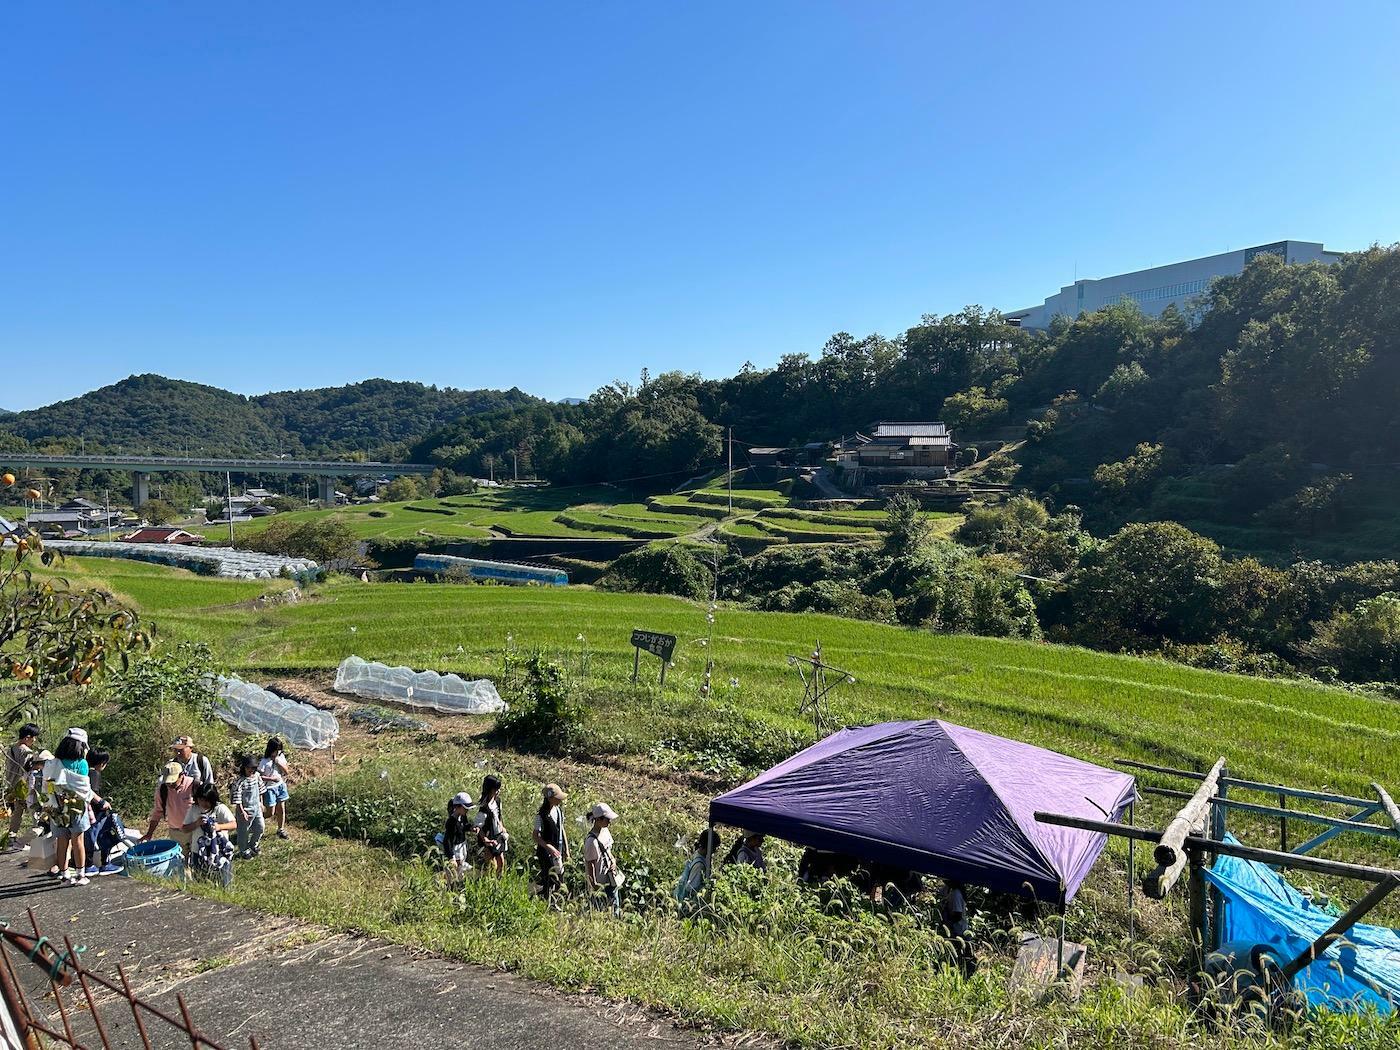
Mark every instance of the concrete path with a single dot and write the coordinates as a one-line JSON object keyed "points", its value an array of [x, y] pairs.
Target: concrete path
{"points": [[295, 985]]}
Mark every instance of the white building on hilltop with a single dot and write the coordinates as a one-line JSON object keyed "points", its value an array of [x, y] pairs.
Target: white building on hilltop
{"points": [[1162, 286]]}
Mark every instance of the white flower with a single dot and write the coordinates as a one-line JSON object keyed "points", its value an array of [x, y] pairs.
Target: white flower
{"points": [[734, 683], [703, 642], [353, 630], [579, 638], [430, 785], [850, 680], [383, 774], [509, 638], [460, 649]]}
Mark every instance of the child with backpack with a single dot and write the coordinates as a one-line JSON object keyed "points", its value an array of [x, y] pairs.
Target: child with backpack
{"points": [[459, 833], [697, 870], [599, 865]]}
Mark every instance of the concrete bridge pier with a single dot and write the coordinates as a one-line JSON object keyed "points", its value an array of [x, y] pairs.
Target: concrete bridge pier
{"points": [[140, 488], [325, 491]]}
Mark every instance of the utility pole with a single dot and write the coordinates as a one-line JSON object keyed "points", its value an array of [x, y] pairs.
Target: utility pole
{"points": [[228, 504], [514, 465], [729, 446], [107, 510]]}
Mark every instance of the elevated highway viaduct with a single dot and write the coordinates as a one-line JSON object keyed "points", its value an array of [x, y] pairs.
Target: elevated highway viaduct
{"points": [[142, 467]]}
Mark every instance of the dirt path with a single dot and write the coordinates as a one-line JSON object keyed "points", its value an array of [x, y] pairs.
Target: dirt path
{"points": [[296, 985]]}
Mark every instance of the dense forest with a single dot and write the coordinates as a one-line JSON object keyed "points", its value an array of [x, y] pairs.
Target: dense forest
{"points": [[377, 419], [1266, 419]]}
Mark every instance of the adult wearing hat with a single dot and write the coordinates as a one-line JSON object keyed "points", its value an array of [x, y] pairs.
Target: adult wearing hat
{"points": [[551, 842], [599, 864], [196, 766], [173, 798]]}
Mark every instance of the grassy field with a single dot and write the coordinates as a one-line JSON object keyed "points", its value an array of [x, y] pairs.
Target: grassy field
{"points": [[776, 961]]}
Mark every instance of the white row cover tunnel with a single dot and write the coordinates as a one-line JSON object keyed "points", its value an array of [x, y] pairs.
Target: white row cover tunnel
{"points": [[449, 693], [256, 710], [212, 561]]}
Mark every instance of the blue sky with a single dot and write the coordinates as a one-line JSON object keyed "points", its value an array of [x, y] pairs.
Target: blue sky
{"points": [[266, 196]]}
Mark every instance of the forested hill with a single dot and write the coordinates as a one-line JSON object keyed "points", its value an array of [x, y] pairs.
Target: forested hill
{"points": [[153, 414], [1267, 419]]}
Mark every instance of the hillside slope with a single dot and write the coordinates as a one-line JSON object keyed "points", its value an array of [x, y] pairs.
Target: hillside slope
{"points": [[150, 413]]}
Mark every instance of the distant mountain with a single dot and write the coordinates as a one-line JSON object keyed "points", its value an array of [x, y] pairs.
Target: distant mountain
{"points": [[153, 414]]}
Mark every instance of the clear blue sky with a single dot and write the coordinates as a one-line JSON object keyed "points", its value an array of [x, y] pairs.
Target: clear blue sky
{"points": [[266, 196]]}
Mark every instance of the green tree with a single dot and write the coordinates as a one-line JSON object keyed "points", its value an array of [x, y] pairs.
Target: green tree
{"points": [[1363, 644], [403, 488], [157, 512], [1146, 583], [906, 528], [321, 539], [52, 634], [972, 409]]}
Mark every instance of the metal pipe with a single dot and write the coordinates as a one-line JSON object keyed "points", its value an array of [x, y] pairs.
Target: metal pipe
{"points": [[1282, 812], [1338, 929], [1249, 785], [1339, 868]]}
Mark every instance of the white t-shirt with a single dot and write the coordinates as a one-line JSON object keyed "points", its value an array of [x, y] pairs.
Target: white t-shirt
{"points": [[222, 815], [272, 770], [594, 846]]}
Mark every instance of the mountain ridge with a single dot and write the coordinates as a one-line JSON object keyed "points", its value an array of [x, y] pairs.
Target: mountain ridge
{"points": [[158, 414]]}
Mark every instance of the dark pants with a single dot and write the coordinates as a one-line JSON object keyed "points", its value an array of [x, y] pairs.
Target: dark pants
{"points": [[551, 878]]}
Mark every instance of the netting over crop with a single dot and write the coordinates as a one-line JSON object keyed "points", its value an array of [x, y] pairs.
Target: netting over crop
{"points": [[448, 693], [255, 710], [212, 561]]}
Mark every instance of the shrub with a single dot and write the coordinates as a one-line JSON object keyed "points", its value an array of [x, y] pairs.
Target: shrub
{"points": [[671, 568], [546, 714], [320, 540]]}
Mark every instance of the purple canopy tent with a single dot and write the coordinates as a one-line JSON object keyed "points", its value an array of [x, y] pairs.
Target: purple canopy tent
{"points": [[939, 799]]}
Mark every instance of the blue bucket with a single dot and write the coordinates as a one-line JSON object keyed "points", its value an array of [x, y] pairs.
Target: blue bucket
{"points": [[159, 858]]}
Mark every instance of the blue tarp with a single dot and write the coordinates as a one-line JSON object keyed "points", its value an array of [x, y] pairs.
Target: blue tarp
{"points": [[1360, 971]]}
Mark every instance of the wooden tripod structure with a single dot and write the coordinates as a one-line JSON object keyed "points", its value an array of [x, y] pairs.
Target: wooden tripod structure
{"points": [[816, 687], [1195, 836]]}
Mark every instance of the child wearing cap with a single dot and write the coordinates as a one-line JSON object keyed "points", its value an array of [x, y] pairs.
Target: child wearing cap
{"points": [[551, 843], [17, 757], [600, 866], [458, 833]]}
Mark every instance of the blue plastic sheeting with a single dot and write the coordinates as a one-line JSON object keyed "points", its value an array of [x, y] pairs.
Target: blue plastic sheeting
{"points": [[503, 571], [1361, 971]]}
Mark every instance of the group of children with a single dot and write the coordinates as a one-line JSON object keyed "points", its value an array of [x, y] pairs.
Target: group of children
{"points": [[62, 792], [476, 835]]}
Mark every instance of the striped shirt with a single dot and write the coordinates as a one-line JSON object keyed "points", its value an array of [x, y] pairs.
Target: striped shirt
{"points": [[247, 794]]}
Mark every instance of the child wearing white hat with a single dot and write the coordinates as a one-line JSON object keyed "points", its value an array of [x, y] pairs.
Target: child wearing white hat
{"points": [[605, 878]]}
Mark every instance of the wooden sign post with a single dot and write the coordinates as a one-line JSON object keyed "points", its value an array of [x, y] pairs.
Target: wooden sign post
{"points": [[660, 645]]}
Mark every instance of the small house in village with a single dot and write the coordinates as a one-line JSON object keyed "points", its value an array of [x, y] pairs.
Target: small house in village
{"points": [[895, 448], [162, 534]]}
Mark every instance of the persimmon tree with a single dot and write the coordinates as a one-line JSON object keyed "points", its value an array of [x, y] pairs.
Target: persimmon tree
{"points": [[53, 634]]}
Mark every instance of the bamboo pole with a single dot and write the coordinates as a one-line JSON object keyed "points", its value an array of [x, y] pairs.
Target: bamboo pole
{"points": [[1388, 804], [1301, 862], [1191, 816]]}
